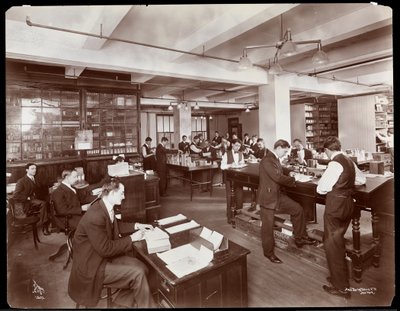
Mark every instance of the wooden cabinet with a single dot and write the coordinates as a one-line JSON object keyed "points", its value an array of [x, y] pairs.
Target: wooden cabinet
{"points": [[133, 206], [152, 198], [321, 121], [383, 121]]}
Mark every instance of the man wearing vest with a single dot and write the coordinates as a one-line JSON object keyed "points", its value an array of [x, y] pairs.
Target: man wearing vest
{"points": [[337, 183], [161, 165], [230, 158], [149, 160], [194, 148], [184, 145]]}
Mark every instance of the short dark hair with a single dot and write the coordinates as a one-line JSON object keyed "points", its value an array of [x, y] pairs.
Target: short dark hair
{"points": [[184, 136], [148, 139], [28, 165], [296, 139], [332, 143], [196, 137], [236, 140], [281, 143], [164, 139], [66, 173], [260, 139], [246, 134], [112, 185]]}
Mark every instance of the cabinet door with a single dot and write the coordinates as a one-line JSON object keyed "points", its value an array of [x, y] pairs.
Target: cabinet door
{"points": [[235, 284], [211, 293]]}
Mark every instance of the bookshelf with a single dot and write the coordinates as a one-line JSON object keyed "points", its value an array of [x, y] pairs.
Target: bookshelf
{"points": [[321, 120], [384, 121]]}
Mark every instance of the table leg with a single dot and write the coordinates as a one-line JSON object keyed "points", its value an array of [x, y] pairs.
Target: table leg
{"points": [[211, 181], [376, 238], [356, 254], [233, 204], [191, 186]]}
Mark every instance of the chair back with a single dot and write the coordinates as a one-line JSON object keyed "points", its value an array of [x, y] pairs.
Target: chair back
{"points": [[17, 211], [61, 222]]}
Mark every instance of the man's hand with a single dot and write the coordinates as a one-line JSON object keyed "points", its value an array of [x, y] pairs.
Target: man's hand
{"points": [[141, 227], [137, 236], [85, 207]]}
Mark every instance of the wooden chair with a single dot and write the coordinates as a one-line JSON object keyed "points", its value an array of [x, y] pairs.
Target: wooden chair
{"points": [[23, 222], [61, 222]]}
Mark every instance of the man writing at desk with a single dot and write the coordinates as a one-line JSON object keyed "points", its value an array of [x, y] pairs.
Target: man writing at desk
{"points": [[99, 256], [299, 153], [337, 183], [272, 201]]}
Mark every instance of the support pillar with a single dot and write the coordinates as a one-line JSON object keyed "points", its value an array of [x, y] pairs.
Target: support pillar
{"points": [[182, 124]]}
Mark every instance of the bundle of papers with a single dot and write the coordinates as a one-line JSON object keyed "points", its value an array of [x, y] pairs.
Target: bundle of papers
{"points": [[304, 178], [186, 259], [182, 227], [170, 220], [212, 236], [157, 240], [97, 191]]}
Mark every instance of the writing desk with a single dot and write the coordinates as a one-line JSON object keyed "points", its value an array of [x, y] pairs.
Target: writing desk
{"points": [[223, 283], [206, 177], [370, 197]]}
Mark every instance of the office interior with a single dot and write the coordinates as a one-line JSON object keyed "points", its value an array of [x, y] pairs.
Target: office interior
{"points": [[85, 84]]}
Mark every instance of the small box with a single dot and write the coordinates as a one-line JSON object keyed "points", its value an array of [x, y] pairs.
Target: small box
{"points": [[376, 167]]}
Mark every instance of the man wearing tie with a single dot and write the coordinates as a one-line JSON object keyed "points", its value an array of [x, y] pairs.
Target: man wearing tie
{"points": [[232, 158], [300, 153], [100, 256], [25, 196]]}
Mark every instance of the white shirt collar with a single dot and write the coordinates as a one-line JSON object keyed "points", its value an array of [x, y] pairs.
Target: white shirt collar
{"points": [[31, 177], [110, 209], [69, 186]]}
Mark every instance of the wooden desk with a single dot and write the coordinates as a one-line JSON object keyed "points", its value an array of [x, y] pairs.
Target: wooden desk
{"points": [[223, 283], [206, 172], [372, 197]]}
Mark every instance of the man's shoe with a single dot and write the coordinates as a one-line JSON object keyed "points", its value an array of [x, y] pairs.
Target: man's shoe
{"points": [[337, 292], [273, 258], [304, 241], [329, 279]]}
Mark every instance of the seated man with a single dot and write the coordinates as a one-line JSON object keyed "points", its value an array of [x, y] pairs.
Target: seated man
{"points": [[299, 153], [25, 197], [66, 199], [99, 256], [208, 151], [261, 150]]}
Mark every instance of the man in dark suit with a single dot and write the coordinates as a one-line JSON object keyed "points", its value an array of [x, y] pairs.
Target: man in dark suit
{"points": [[149, 160], [208, 151], [25, 196], [184, 145], [99, 256], [272, 200], [260, 151], [161, 167], [66, 200], [299, 153]]}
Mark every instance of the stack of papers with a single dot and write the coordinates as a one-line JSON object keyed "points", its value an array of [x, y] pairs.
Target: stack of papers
{"points": [[304, 178], [157, 240], [97, 191], [212, 236], [170, 220], [182, 227], [186, 259]]}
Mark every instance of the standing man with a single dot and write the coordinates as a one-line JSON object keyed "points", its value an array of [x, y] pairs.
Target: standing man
{"points": [[337, 183], [194, 147], [149, 161], [231, 158], [246, 140], [161, 165], [216, 141], [272, 200], [25, 197], [184, 145], [99, 256], [300, 153]]}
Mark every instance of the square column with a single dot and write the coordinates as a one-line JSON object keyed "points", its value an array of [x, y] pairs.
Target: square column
{"points": [[182, 123]]}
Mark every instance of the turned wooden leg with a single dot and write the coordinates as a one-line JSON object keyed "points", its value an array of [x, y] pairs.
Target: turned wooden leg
{"points": [[356, 256], [376, 239], [233, 204]]}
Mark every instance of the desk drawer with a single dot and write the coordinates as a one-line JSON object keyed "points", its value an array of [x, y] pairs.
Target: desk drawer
{"points": [[166, 289]]}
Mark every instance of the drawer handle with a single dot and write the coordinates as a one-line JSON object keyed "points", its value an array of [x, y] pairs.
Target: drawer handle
{"points": [[212, 294], [165, 286]]}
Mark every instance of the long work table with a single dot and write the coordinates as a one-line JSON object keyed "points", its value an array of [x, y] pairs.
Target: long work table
{"points": [[189, 174], [369, 197]]}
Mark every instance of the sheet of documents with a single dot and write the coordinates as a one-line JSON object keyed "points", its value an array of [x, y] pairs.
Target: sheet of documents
{"points": [[186, 259], [170, 220], [119, 169], [96, 191], [155, 234], [304, 178], [182, 227]]}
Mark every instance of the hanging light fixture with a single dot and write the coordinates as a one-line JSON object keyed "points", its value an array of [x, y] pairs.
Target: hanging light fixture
{"points": [[247, 109], [179, 106], [196, 106], [284, 48], [210, 118], [186, 107], [170, 107]]}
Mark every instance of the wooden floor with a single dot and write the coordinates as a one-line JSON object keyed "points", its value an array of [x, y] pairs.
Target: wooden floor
{"points": [[295, 283]]}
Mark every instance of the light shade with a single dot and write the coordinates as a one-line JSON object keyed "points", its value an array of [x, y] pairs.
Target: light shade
{"points": [[320, 57], [288, 48], [179, 106], [244, 62], [210, 118], [186, 107], [247, 109], [275, 69], [170, 107], [196, 107]]}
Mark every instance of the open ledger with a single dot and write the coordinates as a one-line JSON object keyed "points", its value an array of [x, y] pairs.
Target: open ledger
{"points": [[157, 240], [212, 236], [186, 259]]}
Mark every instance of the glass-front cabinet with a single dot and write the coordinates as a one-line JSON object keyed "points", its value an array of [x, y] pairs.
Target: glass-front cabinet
{"points": [[41, 123]]}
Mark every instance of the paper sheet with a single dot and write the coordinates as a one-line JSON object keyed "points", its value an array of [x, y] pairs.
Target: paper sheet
{"points": [[185, 226], [216, 239], [96, 191], [304, 178], [155, 234], [177, 253], [170, 220]]}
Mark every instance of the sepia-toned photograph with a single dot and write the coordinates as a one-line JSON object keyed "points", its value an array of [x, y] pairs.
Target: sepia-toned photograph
{"points": [[200, 156]]}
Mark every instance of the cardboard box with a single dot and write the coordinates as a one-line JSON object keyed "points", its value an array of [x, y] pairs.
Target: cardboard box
{"points": [[376, 167]]}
